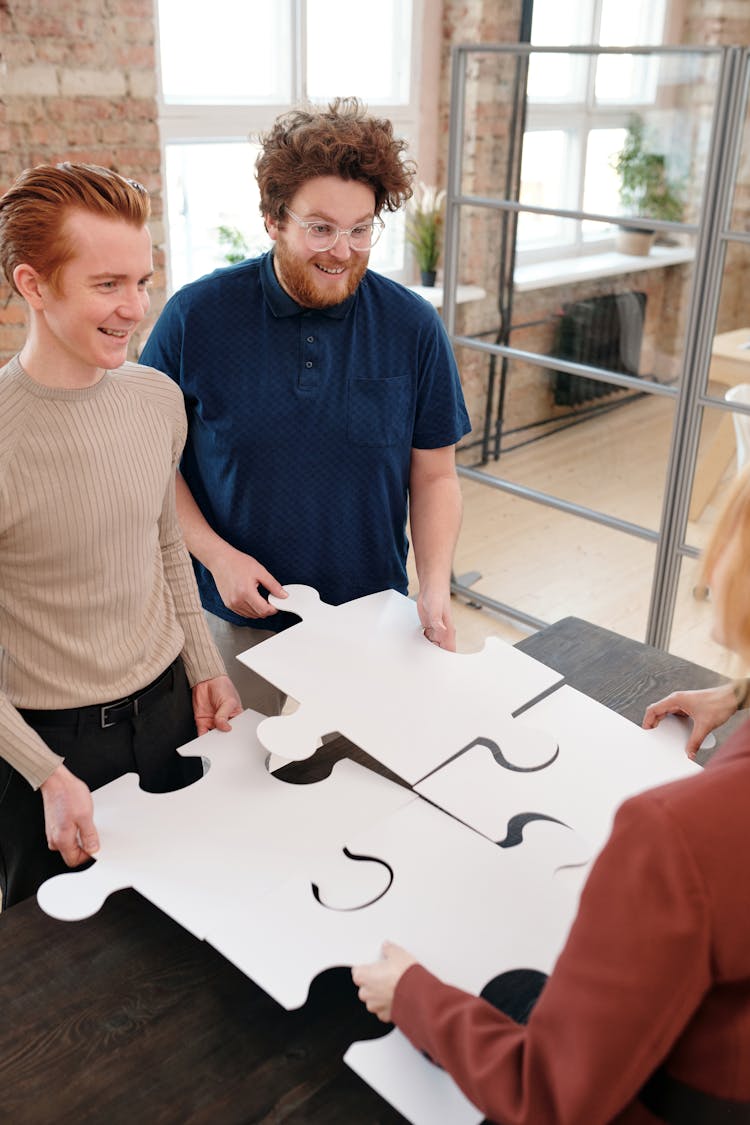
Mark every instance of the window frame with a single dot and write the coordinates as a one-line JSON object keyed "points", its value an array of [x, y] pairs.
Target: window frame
{"points": [[578, 117]]}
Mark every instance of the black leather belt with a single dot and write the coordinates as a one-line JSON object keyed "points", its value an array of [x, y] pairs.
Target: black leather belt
{"points": [[107, 714]]}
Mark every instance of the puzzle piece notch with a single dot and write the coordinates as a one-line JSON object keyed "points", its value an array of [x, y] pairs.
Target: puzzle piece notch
{"points": [[544, 749], [603, 760], [411, 705], [354, 884], [517, 825]]}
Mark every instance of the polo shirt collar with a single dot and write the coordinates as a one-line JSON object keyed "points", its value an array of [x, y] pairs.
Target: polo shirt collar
{"points": [[281, 304]]}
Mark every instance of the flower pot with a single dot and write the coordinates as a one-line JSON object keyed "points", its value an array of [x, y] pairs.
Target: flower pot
{"points": [[637, 242], [428, 277]]}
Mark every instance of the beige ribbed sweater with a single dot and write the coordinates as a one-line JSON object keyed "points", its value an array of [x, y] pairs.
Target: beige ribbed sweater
{"points": [[97, 593]]}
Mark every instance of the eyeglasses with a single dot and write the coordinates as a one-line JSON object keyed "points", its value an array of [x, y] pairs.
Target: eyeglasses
{"points": [[135, 184], [324, 236]]}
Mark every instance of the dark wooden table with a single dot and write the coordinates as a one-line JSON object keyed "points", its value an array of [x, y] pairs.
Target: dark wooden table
{"points": [[128, 1018], [623, 674]]}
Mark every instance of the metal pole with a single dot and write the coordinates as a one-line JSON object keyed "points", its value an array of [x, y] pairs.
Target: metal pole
{"points": [[702, 310]]}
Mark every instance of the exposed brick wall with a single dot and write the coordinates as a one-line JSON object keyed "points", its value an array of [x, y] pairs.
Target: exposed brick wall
{"points": [[486, 138], [711, 23], [78, 82]]}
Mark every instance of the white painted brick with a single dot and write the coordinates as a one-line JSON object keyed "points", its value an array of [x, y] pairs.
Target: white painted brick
{"points": [[142, 83], [36, 81], [93, 83]]}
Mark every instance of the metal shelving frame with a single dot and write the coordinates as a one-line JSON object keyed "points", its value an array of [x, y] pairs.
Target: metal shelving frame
{"points": [[712, 233]]}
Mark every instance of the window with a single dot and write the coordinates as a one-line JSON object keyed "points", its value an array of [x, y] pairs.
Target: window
{"points": [[578, 107], [225, 79]]}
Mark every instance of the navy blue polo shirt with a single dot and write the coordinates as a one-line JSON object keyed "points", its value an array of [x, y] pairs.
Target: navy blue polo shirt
{"points": [[301, 423]]}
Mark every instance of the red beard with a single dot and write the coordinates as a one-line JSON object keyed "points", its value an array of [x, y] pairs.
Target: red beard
{"points": [[298, 277]]}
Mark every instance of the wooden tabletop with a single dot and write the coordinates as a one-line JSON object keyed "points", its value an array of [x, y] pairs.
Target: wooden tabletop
{"points": [[623, 674], [126, 1017], [730, 357]]}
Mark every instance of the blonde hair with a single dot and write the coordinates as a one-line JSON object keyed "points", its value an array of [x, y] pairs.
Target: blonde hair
{"points": [[34, 209], [730, 545]]}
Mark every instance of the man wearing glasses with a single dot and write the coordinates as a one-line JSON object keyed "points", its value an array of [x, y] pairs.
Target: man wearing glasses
{"points": [[322, 398]]}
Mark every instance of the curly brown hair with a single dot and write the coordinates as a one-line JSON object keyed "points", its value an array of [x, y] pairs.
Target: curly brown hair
{"points": [[342, 140], [33, 211]]}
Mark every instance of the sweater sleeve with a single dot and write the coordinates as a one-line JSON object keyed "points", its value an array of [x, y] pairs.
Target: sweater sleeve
{"points": [[200, 655], [633, 971], [22, 748]]}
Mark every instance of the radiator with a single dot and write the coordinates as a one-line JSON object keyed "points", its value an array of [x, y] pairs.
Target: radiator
{"points": [[603, 332]]}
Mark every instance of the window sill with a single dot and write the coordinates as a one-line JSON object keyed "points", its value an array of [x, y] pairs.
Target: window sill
{"points": [[586, 267], [434, 293]]}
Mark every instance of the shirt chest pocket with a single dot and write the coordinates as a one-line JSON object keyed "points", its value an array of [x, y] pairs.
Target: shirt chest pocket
{"points": [[379, 410]]}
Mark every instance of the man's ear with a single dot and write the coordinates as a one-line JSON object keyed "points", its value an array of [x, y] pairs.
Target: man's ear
{"points": [[29, 285], [272, 227]]}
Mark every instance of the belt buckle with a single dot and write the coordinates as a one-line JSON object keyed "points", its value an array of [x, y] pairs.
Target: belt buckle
{"points": [[134, 701], [105, 723]]}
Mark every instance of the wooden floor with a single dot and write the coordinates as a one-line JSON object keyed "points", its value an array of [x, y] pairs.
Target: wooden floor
{"points": [[551, 565]]}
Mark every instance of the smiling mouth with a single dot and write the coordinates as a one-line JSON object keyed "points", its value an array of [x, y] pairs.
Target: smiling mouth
{"points": [[330, 269], [117, 333]]}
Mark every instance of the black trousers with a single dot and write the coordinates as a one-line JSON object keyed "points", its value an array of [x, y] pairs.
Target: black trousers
{"points": [[144, 744]]}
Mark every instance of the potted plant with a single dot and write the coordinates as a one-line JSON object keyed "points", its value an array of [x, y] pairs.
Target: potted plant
{"points": [[236, 243], [646, 190], [424, 229]]}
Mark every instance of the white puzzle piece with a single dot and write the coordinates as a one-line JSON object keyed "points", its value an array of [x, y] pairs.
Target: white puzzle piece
{"points": [[422, 1092], [364, 669], [603, 759], [208, 853], [449, 902]]}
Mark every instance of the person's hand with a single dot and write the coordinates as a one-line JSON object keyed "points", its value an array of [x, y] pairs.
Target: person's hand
{"points": [[69, 817], [215, 702], [237, 577], [434, 611], [377, 982], [708, 708]]}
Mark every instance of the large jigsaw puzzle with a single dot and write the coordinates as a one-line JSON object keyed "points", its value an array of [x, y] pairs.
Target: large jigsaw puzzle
{"points": [[253, 862], [249, 862]]}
